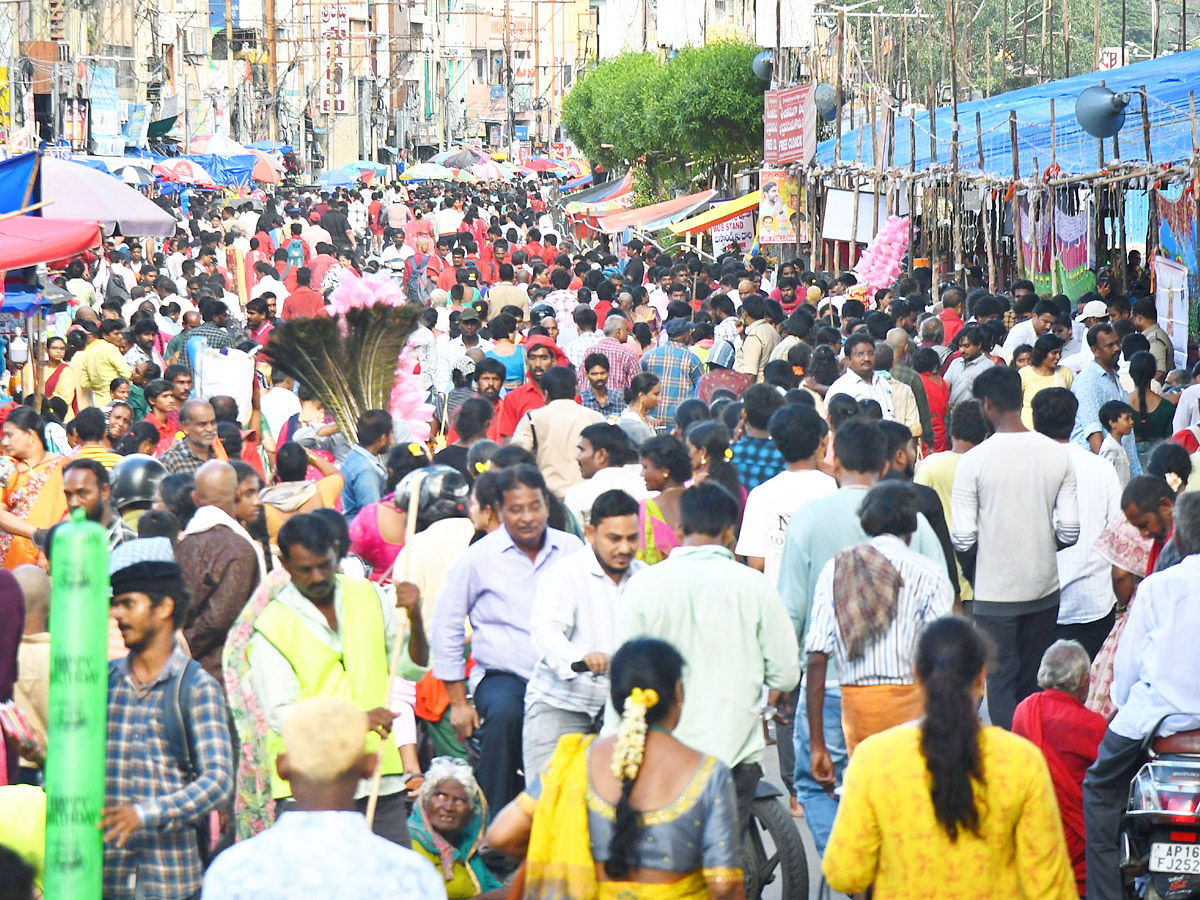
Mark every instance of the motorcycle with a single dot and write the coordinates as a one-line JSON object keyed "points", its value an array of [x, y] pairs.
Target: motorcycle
{"points": [[1160, 831]]}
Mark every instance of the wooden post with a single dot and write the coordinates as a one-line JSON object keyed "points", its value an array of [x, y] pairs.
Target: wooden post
{"points": [[1151, 191], [1066, 36], [1053, 206], [1119, 187], [955, 197], [1004, 50], [985, 213], [1195, 173], [841, 57], [1016, 169], [814, 233], [912, 169]]}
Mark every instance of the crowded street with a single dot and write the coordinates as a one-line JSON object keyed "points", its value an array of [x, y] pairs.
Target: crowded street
{"points": [[687, 457]]}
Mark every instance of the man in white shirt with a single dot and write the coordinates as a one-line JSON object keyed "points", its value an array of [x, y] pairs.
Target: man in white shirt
{"points": [[1045, 314], [608, 461], [1154, 676], [860, 379], [799, 433], [1014, 504], [279, 403], [397, 250], [1187, 408], [575, 620], [268, 281], [1087, 604]]}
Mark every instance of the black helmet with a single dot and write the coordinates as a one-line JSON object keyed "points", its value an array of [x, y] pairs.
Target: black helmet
{"points": [[135, 480], [444, 493]]}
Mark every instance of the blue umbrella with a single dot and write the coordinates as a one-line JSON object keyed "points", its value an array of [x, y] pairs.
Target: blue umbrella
{"points": [[270, 146], [343, 177]]}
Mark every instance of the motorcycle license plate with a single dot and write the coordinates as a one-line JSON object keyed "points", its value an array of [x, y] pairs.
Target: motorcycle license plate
{"points": [[1175, 858]]}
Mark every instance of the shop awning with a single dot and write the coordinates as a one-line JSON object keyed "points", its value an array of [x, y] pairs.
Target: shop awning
{"points": [[722, 212], [598, 193], [29, 240], [656, 215]]}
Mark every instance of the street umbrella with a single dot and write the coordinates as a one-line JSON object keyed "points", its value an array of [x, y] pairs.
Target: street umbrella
{"points": [[369, 166], [343, 177], [85, 195], [216, 144], [463, 159], [427, 171], [185, 172], [135, 175], [464, 176], [266, 170], [489, 170], [544, 164]]}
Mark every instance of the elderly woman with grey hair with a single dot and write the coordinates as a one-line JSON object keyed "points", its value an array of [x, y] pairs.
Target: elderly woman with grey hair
{"points": [[1068, 734], [447, 827]]}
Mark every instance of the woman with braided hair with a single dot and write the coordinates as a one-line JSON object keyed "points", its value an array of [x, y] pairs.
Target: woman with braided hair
{"points": [[638, 813]]}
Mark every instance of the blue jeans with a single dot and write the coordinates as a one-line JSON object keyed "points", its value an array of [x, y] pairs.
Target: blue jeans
{"points": [[819, 808]]}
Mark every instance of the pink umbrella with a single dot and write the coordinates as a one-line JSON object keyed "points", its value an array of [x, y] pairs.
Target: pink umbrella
{"points": [[184, 171], [265, 170]]}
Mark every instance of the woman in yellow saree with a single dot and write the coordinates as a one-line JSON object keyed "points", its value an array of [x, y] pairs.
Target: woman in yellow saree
{"points": [[638, 815], [31, 487]]}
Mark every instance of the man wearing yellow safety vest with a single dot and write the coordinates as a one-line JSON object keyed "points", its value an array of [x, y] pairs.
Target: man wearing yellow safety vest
{"points": [[328, 635]]}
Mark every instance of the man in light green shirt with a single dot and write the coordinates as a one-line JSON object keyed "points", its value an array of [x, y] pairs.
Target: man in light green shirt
{"points": [[729, 624]]}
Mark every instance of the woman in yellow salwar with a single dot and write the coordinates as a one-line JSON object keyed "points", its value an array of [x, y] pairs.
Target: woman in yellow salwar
{"points": [[31, 487], [635, 815]]}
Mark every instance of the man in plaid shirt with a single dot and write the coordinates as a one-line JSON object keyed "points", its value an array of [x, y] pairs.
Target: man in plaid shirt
{"points": [[152, 805], [679, 370]]}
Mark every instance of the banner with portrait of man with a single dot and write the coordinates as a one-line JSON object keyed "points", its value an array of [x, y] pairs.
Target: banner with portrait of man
{"points": [[782, 218]]}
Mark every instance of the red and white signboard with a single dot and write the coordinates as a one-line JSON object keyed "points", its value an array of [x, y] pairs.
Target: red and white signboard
{"points": [[1110, 58], [789, 125]]}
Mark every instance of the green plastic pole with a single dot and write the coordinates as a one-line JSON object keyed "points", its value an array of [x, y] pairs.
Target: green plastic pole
{"points": [[78, 710]]}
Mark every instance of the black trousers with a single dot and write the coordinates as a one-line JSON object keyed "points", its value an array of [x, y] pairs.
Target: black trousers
{"points": [[1020, 642], [785, 743], [1105, 794], [1091, 634], [500, 700], [745, 779], [391, 816]]}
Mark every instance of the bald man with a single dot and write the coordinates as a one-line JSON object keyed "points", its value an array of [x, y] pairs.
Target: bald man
{"points": [[221, 563], [199, 424], [32, 690]]}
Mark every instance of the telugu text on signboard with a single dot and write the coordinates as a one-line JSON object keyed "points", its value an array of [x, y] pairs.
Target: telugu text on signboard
{"points": [[789, 125]]}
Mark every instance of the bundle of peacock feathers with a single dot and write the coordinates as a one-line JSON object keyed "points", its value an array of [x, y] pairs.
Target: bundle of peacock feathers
{"points": [[354, 359]]}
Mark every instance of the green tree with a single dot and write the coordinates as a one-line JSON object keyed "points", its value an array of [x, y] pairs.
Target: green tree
{"points": [[679, 120]]}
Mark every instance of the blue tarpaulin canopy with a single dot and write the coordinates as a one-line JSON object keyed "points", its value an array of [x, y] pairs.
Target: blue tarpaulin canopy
{"points": [[15, 173], [1167, 80], [226, 170]]}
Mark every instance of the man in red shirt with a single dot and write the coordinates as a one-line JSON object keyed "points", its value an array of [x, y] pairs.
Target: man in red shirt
{"points": [[951, 314], [540, 354], [550, 248], [303, 302], [449, 275], [534, 246], [322, 262], [1067, 733]]}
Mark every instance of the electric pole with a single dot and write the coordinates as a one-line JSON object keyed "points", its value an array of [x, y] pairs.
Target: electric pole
{"points": [[508, 75]]}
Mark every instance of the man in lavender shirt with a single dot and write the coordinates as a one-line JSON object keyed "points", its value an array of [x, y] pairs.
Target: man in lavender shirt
{"points": [[493, 585]]}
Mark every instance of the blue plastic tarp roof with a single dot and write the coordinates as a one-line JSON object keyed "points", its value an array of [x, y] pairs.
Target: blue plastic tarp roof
{"points": [[1167, 80], [15, 173], [226, 169]]}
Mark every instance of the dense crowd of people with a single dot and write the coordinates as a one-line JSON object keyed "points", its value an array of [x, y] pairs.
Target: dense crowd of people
{"points": [[938, 556]]}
